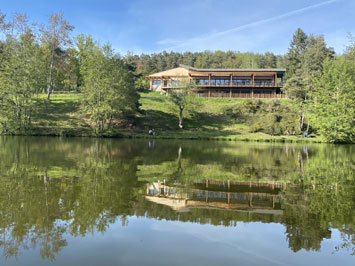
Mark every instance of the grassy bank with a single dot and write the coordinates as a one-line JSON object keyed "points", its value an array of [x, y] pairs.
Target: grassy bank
{"points": [[210, 118]]}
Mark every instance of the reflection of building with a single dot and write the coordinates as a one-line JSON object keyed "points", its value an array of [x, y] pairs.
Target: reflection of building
{"points": [[231, 83], [250, 196]]}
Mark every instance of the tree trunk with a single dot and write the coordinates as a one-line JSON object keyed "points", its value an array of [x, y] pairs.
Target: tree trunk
{"points": [[180, 117], [300, 126], [179, 158], [49, 82]]}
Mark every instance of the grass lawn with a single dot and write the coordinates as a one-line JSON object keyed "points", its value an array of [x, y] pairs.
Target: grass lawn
{"points": [[207, 120]]}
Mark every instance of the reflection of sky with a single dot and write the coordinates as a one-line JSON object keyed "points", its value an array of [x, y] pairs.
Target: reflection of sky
{"points": [[152, 242]]}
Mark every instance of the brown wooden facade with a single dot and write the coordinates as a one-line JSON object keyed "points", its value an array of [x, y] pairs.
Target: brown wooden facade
{"points": [[228, 83]]}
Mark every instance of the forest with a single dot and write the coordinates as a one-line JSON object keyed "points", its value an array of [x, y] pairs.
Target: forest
{"points": [[37, 61]]}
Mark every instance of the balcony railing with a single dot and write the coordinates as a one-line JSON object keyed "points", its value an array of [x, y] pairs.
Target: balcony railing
{"points": [[256, 84], [233, 84]]}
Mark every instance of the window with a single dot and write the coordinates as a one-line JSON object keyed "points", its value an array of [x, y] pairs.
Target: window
{"points": [[204, 81], [175, 83], [156, 81], [165, 83], [200, 81], [241, 81], [263, 82], [221, 82]]}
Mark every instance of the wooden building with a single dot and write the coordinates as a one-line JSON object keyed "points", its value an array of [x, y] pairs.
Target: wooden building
{"points": [[230, 83]]}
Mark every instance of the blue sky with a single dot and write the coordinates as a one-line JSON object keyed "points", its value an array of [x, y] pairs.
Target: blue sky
{"points": [[148, 26]]}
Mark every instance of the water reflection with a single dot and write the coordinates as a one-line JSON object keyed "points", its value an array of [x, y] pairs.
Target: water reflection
{"points": [[225, 195], [52, 188]]}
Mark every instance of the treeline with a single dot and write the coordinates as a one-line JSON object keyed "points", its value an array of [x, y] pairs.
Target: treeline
{"points": [[148, 64], [38, 59]]}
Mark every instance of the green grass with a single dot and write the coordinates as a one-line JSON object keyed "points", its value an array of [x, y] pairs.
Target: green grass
{"points": [[60, 115], [208, 120]]}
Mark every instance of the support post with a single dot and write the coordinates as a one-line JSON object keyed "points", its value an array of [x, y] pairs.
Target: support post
{"points": [[252, 84]]}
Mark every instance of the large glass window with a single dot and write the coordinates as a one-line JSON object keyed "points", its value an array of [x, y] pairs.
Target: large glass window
{"points": [[165, 83], [156, 81], [220, 82], [241, 81], [263, 82], [201, 81]]}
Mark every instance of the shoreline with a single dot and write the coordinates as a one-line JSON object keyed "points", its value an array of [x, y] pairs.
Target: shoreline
{"points": [[252, 137]]}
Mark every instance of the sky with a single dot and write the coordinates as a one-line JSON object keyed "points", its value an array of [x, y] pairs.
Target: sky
{"points": [[152, 26]]}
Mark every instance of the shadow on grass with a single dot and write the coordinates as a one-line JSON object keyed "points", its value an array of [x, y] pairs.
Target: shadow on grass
{"points": [[55, 110], [157, 120], [154, 98], [206, 120], [200, 125]]}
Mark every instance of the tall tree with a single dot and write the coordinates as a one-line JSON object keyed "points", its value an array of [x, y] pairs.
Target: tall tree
{"points": [[304, 61], [55, 38], [18, 74], [334, 100], [109, 92], [294, 55]]}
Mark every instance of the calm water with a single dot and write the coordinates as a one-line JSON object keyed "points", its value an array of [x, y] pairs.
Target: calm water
{"points": [[140, 202]]}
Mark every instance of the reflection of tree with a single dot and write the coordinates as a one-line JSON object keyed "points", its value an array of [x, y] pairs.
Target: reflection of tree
{"points": [[304, 229], [321, 197], [52, 187], [39, 206]]}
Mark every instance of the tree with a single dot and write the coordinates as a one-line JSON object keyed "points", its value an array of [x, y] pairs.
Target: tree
{"points": [[304, 61], [18, 75], [108, 87], [55, 37], [294, 55], [334, 101], [181, 96], [268, 60]]}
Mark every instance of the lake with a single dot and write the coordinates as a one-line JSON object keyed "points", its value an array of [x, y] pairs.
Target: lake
{"points": [[86, 201]]}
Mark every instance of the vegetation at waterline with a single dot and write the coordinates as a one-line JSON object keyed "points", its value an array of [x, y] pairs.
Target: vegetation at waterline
{"points": [[211, 118], [42, 59]]}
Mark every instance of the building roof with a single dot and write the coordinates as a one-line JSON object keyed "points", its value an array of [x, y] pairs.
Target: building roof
{"points": [[176, 72], [279, 70]]}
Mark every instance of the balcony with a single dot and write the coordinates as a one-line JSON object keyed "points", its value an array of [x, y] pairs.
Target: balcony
{"points": [[241, 84]]}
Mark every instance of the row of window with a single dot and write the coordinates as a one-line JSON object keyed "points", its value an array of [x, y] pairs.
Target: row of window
{"points": [[174, 83], [217, 82], [246, 91]]}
